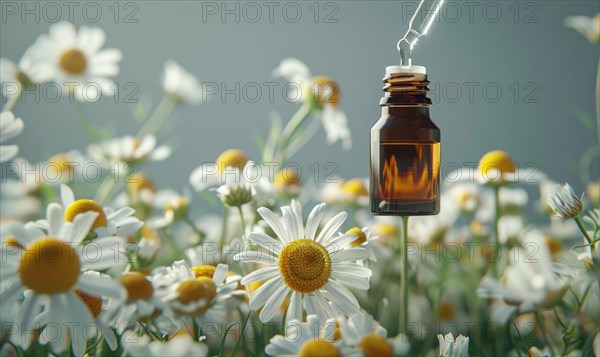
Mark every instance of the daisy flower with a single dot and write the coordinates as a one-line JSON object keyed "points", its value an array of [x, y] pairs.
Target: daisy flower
{"points": [[128, 150], [75, 60], [355, 191], [364, 239], [173, 205], [46, 267], [310, 266], [323, 94], [9, 128], [363, 333], [453, 347], [496, 167], [230, 165], [181, 85], [189, 296], [120, 223], [564, 202]]}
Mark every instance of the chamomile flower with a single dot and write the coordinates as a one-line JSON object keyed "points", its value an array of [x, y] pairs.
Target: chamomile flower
{"points": [[355, 191], [304, 339], [564, 202], [129, 150], [496, 167], [180, 85], [9, 128], [453, 347], [187, 296], [174, 207], [46, 267], [231, 166], [75, 60], [364, 239], [364, 334], [322, 93], [180, 345], [120, 223], [312, 267]]}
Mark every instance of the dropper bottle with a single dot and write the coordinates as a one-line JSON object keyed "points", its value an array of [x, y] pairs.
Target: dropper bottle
{"points": [[405, 143]]}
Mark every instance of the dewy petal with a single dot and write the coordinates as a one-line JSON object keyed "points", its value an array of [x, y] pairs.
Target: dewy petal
{"points": [[265, 241], [66, 195], [331, 228], [312, 224], [260, 275], [275, 223], [262, 294], [101, 286], [273, 304]]}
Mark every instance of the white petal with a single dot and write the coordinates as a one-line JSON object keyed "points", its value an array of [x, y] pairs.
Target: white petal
{"points": [[331, 228], [67, 196], [260, 275], [274, 303], [312, 224], [265, 241], [251, 256], [275, 223], [349, 255], [101, 286], [262, 294]]}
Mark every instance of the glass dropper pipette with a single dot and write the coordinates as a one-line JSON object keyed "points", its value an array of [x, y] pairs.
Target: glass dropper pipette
{"points": [[418, 26]]}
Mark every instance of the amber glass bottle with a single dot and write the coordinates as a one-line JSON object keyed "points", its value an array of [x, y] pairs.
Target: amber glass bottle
{"points": [[405, 148]]}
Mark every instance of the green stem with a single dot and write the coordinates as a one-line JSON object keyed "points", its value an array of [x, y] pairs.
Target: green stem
{"points": [[158, 117], [540, 321], [497, 215], [405, 285], [243, 222], [13, 101], [291, 128], [598, 101], [224, 227], [237, 343], [85, 122], [586, 235]]}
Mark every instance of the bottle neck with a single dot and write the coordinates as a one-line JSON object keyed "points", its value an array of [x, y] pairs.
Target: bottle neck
{"points": [[405, 90]]}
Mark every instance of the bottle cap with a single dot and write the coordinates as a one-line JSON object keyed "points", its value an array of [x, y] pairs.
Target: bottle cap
{"points": [[405, 69]]}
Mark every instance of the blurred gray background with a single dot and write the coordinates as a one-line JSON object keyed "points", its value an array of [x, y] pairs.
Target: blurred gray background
{"points": [[501, 44]]}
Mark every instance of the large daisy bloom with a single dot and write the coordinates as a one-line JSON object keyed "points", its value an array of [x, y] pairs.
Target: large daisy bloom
{"points": [[75, 60], [47, 269], [9, 128], [120, 223], [312, 267], [323, 94], [129, 150], [181, 85]]}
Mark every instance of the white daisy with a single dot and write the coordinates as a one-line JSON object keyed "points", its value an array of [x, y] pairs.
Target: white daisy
{"points": [[173, 206], [453, 347], [75, 60], [305, 339], [120, 223], [564, 202], [181, 85], [9, 128], [310, 266], [322, 93], [49, 281], [230, 166], [364, 240], [128, 150], [363, 333], [191, 296]]}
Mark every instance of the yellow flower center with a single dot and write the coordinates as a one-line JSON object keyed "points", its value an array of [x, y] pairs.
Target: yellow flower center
{"points": [[553, 245], [93, 303], [325, 90], [206, 271], [319, 348], [355, 187], [192, 290], [375, 346], [496, 160], [82, 206], [305, 265], [231, 158], [362, 237], [49, 266], [139, 182], [61, 163], [137, 285], [287, 177], [73, 61], [385, 229]]}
